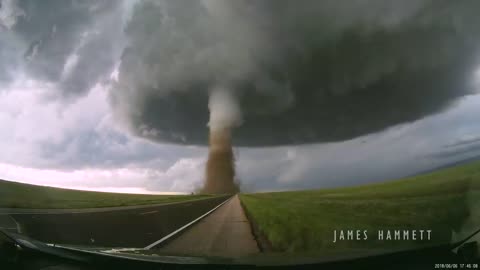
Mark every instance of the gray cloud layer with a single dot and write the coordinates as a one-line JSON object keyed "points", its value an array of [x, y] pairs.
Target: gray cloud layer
{"points": [[303, 72]]}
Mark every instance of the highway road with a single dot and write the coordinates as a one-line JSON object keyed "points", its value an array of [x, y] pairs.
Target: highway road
{"points": [[137, 226], [226, 232]]}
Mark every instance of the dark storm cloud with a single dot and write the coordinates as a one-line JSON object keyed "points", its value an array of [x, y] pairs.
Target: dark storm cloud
{"points": [[303, 71], [98, 54], [73, 44], [52, 29], [9, 56]]}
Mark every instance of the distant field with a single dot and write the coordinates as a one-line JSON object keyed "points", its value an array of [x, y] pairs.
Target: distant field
{"points": [[303, 221], [18, 195]]}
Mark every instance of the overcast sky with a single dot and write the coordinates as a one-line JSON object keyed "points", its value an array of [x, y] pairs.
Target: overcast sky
{"points": [[58, 127]]}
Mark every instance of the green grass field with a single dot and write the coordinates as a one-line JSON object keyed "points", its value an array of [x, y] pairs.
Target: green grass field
{"points": [[17, 195], [303, 221]]}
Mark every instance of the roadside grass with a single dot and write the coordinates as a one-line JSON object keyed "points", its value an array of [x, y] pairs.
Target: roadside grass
{"points": [[304, 221], [19, 195]]}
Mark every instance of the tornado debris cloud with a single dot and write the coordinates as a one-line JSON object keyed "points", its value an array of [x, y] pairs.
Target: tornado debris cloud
{"points": [[225, 115], [220, 168]]}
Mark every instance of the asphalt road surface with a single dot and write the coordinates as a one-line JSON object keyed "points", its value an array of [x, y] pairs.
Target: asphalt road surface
{"points": [[118, 227], [226, 232]]}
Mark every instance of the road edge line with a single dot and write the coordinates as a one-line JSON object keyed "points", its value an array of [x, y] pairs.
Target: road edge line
{"points": [[185, 226]]}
